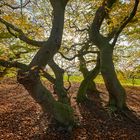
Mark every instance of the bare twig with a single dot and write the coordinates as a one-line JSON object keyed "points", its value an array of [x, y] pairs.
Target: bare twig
{"points": [[77, 55]]}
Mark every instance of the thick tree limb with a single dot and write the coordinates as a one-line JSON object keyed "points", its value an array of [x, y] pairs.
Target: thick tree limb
{"points": [[59, 82], [125, 22], [48, 76], [20, 34], [15, 64], [101, 13], [10, 64], [62, 2]]}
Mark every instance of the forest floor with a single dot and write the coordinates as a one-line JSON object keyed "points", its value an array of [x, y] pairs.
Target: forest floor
{"points": [[22, 119]]}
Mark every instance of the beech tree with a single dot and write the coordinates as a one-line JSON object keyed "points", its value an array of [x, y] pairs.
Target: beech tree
{"points": [[29, 75], [106, 44]]}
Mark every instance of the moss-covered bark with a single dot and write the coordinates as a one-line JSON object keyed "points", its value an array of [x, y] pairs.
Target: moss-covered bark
{"points": [[87, 85], [59, 83], [106, 43], [117, 95], [61, 112]]}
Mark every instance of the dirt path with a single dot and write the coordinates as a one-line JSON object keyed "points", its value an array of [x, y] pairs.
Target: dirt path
{"points": [[22, 119]]}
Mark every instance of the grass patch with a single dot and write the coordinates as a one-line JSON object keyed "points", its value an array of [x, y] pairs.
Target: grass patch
{"points": [[99, 80], [131, 82], [74, 78], [79, 78]]}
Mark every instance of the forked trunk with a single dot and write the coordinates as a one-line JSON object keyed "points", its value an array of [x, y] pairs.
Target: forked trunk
{"points": [[61, 111], [88, 85], [59, 88]]}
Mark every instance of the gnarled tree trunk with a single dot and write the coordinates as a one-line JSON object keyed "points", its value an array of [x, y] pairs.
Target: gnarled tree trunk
{"points": [[61, 110], [87, 85], [63, 113], [117, 95], [59, 88], [105, 43]]}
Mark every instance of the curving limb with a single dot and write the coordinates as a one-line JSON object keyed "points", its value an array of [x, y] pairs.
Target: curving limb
{"points": [[125, 21], [18, 33]]}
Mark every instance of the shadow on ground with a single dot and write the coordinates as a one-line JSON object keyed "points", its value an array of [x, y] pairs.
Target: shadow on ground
{"points": [[22, 118]]}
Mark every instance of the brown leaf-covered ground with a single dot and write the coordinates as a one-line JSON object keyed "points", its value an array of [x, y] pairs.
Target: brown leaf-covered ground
{"points": [[22, 119]]}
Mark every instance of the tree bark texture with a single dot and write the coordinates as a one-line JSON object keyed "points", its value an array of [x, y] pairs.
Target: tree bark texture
{"points": [[87, 85], [117, 95], [60, 110]]}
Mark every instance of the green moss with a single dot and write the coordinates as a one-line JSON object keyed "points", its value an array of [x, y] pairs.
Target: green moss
{"points": [[81, 98], [63, 113], [112, 108]]}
